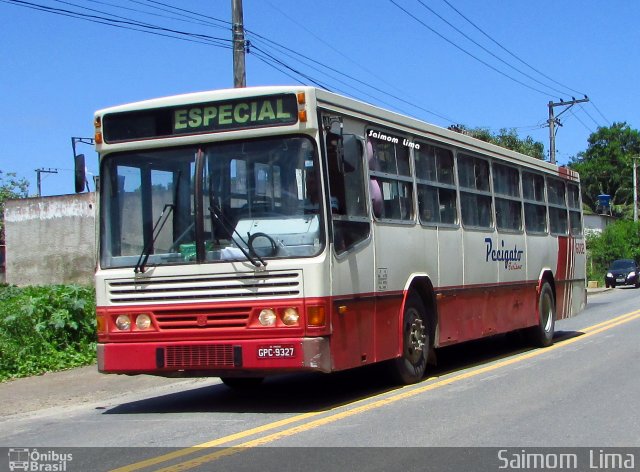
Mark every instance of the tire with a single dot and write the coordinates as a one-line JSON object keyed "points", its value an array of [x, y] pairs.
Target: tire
{"points": [[542, 334], [410, 367], [242, 383]]}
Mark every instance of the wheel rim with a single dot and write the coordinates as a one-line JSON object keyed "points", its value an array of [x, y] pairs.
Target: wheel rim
{"points": [[416, 337]]}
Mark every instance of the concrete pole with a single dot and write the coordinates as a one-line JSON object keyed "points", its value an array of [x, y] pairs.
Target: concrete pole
{"points": [[239, 73], [552, 135], [635, 188]]}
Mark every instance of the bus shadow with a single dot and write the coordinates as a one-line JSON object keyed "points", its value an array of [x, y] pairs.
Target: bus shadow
{"points": [[307, 392]]}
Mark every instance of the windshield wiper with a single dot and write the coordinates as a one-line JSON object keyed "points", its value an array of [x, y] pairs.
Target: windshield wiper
{"points": [[157, 227], [231, 229]]}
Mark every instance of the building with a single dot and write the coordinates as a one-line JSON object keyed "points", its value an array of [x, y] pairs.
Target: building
{"points": [[50, 240]]}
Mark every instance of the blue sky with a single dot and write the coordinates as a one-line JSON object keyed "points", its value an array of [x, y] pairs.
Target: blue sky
{"points": [[55, 70]]}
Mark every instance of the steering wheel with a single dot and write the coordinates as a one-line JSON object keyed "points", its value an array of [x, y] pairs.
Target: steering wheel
{"points": [[263, 250]]}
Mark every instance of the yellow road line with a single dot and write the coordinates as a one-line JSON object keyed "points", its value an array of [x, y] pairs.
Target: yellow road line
{"points": [[405, 392]]}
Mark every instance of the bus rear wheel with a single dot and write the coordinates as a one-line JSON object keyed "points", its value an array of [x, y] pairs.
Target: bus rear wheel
{"points": [[411, 365], [542, 334]]}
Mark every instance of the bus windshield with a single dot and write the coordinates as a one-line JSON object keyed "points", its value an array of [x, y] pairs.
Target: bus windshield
{"points": [[230, 201]]}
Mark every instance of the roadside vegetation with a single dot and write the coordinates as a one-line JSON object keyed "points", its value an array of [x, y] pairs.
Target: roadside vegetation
{"points": [[620, 240], [45, 328]]}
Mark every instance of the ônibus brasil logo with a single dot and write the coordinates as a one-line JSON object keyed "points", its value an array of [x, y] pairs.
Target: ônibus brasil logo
{"points": [[22, 458]]}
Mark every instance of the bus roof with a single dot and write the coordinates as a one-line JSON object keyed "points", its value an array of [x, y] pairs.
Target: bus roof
{"points": [[338, 103]]}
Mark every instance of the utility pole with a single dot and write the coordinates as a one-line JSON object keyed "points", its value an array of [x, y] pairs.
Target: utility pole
{"points": [[40, 171], [553, 121], [239, 73], [635, 187]]}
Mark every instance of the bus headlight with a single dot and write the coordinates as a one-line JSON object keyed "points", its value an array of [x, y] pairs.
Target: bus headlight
{"points": [[290, 317], [123, 322], [143, 321], [267, 317]]}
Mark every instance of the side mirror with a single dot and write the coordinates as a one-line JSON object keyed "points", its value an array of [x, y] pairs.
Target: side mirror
{"points": [[80, 173]]}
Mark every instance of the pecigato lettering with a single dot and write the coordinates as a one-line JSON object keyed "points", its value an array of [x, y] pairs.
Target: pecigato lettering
{"points": [[510, 257], [259, 111]]}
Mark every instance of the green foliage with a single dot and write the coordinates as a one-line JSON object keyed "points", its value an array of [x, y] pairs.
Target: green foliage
{"points": [[506, 138], [620, 240], [607, 166], [45, 328], [10, 187]]}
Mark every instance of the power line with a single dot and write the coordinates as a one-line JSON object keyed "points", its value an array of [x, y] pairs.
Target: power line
{"points": [[223, 23], [126, 24], [603, 117], [467, 52], [588, 114], [176, 18], [269, 58], [485, 49], [508, 51], [350, 77]]}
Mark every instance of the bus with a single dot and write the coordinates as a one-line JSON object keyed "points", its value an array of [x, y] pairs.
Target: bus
{"points": [[256, 231]]}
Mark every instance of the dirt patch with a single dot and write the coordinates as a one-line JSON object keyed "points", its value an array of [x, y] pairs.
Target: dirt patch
{"points": [[72, 387]]}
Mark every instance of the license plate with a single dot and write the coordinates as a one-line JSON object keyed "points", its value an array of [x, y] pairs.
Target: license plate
{"points": [[619, 280], [280, 351]]}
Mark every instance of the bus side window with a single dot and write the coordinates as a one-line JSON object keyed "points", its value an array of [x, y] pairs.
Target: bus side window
{"points": [[347, 191], [374, 185]]}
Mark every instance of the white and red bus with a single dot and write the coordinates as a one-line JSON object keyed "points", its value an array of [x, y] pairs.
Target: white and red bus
{"points": [[256, 231]]}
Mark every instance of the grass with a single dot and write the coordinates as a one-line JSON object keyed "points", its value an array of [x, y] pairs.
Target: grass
{"points": [[45, 328]]}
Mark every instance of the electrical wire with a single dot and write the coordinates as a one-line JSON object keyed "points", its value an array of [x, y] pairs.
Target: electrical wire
{"points": [[508, 51], [467, 52], [127, 24], [487, 50]]}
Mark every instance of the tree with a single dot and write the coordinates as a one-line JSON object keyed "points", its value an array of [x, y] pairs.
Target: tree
{"points": [[606, 167], [10, 187], [506, 138], [620, 240]]}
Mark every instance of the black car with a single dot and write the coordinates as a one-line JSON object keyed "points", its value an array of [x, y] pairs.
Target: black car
{"points": [[623, 272]]}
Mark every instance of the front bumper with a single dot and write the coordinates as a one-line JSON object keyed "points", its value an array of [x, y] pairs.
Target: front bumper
{"points": [[221, 358], [621, 280]]}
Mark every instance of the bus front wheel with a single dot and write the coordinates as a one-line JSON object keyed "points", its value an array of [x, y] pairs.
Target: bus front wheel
{"points": [[411, 365], [542, 334]]}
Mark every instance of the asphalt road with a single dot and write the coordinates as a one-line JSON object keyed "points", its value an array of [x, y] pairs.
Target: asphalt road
{"points": [[482, 398]]}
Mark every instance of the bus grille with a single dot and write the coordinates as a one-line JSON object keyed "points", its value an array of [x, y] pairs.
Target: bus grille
{"points": [[184, 357], [210, 318], [204, 288]]}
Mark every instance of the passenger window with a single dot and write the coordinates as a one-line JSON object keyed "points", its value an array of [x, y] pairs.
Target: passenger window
{"points": [[389, 172], [535, 208], [475, 197], [506, 187], [575, 219], [437, 200], [556, 195]]}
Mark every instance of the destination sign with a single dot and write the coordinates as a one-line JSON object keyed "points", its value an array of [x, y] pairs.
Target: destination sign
{"points": [[210, 117]]}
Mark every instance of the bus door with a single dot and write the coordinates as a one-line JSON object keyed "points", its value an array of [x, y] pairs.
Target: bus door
{"points": [[352, 255]]}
